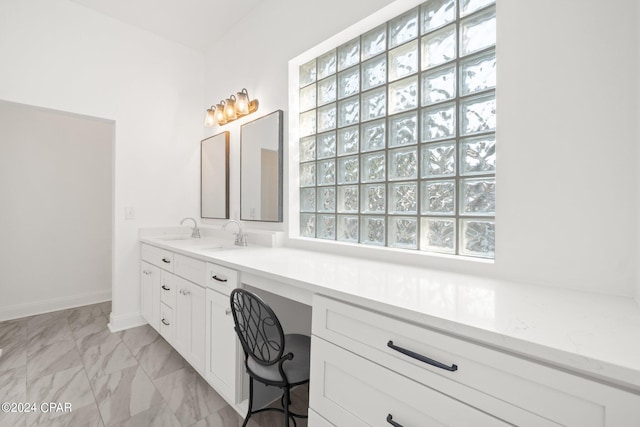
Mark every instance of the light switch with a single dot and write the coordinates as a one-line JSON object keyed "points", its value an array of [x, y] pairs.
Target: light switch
{"points": [[129, 212]]}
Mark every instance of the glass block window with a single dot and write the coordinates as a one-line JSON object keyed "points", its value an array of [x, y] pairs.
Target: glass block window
{"points": [[397, 133]]}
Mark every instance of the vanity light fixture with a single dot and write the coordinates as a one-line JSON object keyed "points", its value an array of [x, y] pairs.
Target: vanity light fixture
{"points": [[233, 108]]}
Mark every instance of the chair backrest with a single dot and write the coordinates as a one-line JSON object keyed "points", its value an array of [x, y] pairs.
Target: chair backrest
{"points": [[257, 327]]}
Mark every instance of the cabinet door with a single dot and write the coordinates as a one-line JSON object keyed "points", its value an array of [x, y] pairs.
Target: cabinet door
{"points": [[222, 364], [190, 322], [150, 294]]}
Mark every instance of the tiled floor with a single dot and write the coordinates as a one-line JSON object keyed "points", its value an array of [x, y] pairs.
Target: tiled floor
{"points": [[131, 378]]}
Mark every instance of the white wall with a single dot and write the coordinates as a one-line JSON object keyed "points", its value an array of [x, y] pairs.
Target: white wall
{"points": [[567, 184], [56, 170], [60, 55]]}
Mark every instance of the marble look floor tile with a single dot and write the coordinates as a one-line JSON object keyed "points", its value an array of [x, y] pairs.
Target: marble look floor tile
{"points": [[110, 356], [81, 316], [189, 396], [88, 416], [13, 385], [139, 337], [14, 355], [158, 358], [124, 394], [225, 417], [68, 386], [160, 416], [47, 329], [13, 331], [106, 308], [52, 357], [13, 419], [93, 333]]}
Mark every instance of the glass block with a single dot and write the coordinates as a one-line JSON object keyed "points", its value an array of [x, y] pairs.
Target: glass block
{"points": [[348, 228], [403, 164], [326, 145], [327, 90], [373, 135], [326, 199], [403, 129], [478, 196], [478, 238], [436, 13], [403, 28], [308, 97], [438, 235], [374, 42], [478, 155], [348, 199], [307, 148], [438, 197], [348, 82], [308, 73], [307, 124], [373, 199], [372, 230], [403, 95], [327, 227], [478, 31], [469, 6], [478, 114], [307, 174], [374, 104], [374, 72], [439, 47], [307, 199], [348, 170], [439, 122], [403, 232], [373, 167], [327, 117], [326, 64], [403, 198], [438, 160], [327, 172], [403, 61], [348, 140], [439, 85], [307, 225], [348, 111], [478, 73], [348, 54]]}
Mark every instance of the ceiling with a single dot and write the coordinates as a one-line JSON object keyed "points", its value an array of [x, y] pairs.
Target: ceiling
{"points": [[192, 23]]}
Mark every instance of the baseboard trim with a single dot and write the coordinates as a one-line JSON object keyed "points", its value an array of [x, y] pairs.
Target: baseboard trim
{"points": [[54, 304], [125, 321]]}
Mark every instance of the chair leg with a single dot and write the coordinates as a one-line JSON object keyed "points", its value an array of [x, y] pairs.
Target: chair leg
{"points": [[246, 419], [285, 406]]}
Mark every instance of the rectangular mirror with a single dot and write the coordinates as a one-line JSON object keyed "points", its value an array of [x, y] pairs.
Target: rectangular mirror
{"points": [[261, 169], [214, 176]]}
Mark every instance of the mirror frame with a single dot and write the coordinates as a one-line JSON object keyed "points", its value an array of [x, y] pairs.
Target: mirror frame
{"points": [[226, 174], [279, 117]]}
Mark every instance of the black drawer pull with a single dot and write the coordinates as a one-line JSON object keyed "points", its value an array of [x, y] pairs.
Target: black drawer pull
{"points": [[393, 423], [422, 358], [165, 288], [219, 279], [166, 261], [164, 322]]}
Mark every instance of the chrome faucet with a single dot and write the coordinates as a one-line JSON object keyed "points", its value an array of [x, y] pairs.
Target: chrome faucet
{"points": [[196, 231], [241, 238]]}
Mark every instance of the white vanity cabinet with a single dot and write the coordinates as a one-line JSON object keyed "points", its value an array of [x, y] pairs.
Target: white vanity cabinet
{"points": [[190, 322], [366, 365], [150, 293]]}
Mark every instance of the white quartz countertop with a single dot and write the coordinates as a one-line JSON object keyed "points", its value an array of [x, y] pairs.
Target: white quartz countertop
{"points": [[593, 334]]}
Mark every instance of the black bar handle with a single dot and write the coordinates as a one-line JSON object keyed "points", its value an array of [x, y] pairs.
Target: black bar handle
{"points": [[165, 288], [422, 358], [393, 423], [166, 261], [218, 279], [164, 322]]}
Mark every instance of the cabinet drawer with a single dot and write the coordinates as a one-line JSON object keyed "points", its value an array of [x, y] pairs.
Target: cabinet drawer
{"points": [[221, 279], [519, 391], [166, 323], [168, 289], [189, 268], [156, 256], [351, 391]]}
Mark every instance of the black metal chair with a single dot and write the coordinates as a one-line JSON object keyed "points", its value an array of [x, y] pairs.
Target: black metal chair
{"points": [[271, 357]]}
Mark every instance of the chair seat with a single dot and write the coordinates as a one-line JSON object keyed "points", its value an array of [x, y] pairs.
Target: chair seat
{"points": [[296, 369]]}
